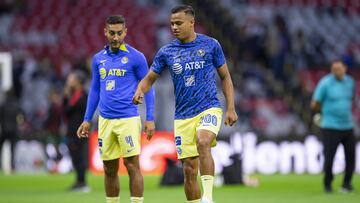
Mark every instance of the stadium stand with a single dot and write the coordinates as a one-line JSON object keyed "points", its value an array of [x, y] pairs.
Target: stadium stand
{"points": [[282, 48], [276, 50], [57, 28]]}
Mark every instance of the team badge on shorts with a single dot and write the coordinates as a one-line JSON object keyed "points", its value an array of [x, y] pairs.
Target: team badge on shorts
{"points": [[124, 60], [179, 150], [177, 141]]}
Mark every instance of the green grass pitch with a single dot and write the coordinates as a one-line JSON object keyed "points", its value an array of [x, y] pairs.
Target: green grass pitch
{"points": [[45, 188]]}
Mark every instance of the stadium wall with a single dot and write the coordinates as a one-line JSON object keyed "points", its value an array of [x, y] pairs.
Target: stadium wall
{"points": [[265, 157]]}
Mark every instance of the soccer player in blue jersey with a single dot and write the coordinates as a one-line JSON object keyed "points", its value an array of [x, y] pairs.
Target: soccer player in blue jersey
{"points": [[193, 60], [116, 70]]}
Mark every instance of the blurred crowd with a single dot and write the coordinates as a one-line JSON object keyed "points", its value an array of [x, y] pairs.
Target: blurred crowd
{"points": [[276, 46]]}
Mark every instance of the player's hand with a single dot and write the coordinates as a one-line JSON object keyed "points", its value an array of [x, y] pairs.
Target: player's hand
{"points": [[138, 97], [149, 129], [317, 119], [230, 117], [83, 130]]}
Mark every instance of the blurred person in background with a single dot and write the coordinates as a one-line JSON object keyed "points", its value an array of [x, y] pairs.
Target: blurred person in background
{"points": [[116, 70], [10, 116], [52, 127], [333, 99], [193, 60], [74, 104]]}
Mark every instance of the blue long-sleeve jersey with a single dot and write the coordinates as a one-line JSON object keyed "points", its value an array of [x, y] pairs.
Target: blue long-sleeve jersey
{"points": [[193, 68], [114, 80]]}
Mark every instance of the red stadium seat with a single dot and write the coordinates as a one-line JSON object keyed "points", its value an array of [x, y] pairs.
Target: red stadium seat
{"points": [[76, 26]]}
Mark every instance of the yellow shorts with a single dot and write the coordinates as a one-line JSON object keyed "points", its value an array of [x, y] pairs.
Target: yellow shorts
{"points": [[185, 131], [119, 137]]}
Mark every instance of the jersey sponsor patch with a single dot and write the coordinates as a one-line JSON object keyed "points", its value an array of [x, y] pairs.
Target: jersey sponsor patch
{"points": [[189, 80], [102, 72], [116, 72], [194, 65], [110, 85], [177, 68]]}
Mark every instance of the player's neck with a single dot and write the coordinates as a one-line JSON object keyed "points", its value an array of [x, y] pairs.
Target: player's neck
{"points": [[114, 50], [191, 38]]}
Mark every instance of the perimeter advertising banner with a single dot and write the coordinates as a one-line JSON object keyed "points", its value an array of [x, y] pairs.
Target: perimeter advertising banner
{"points": [[266, 157], [152, 157]]}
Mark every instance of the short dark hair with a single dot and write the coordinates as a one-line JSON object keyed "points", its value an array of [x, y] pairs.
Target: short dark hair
{"points": [[338, 61], [80, 76], [183, 8], [115, 19]]}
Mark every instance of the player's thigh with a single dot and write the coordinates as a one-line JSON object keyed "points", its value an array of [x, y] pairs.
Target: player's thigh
{"points": [[209, 125], [185, 137], [111, 167], [132, 163], [205, 138], [107, 141], [128, 132]]}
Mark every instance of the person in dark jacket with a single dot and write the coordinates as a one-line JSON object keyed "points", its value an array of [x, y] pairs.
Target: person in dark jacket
{"points": [[10, 113], [52, 127], [75, 99]]}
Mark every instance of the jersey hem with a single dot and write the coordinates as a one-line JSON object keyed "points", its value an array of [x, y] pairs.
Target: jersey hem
{"points": [[193, 115]]}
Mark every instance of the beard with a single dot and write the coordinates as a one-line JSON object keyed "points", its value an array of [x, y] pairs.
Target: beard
{"points": [[115, 46]]}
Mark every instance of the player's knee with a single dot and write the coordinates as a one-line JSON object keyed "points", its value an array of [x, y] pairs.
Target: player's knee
{"points": [[203, 144], [110, 171], [131, 165]]}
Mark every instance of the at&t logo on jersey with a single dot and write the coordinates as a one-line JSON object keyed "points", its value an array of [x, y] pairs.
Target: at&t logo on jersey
{"points": [[102, 72], [177, 68], [194, 65], [117, 72], [112, 72]]}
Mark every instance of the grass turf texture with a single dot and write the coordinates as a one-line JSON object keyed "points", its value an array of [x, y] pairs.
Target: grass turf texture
{"points": [[44, 188]]}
